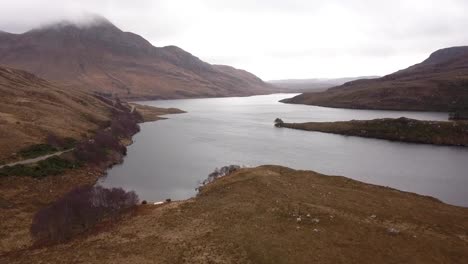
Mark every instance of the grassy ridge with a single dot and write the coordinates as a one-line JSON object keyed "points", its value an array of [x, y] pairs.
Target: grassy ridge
{"points": [[400, 129], [272, 214]]}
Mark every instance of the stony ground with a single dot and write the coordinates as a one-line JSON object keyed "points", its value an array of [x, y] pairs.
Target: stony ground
{"points": [[272, 214]]}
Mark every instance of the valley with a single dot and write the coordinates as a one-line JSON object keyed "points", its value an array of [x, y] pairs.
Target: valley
{"points": [[119, 148]]}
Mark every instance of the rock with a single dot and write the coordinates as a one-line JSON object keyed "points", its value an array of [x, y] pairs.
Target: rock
{"points": [[393, 231], [316, 220], [298, 219], [373, 216]]}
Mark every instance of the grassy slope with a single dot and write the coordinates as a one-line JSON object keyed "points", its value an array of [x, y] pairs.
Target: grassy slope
{"points": [[31, 108], [440, 83], [151, 113], [401, 129], [251, 217], [103, 58]]}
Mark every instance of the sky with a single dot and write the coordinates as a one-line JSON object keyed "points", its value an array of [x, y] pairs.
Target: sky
{"points": [[274, 39]]}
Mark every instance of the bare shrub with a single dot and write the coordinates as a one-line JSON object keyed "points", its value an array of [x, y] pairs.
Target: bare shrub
{"points": [[124, 124], [54, 141], [278, 122], [218, 173], [79, 210]]}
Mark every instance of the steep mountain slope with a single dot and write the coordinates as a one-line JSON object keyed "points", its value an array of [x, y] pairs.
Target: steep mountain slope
{"points": [[440, 83], [31, 108], [100, 57]]}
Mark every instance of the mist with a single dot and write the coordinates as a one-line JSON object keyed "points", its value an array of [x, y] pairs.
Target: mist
{"points": [[273, 39]]}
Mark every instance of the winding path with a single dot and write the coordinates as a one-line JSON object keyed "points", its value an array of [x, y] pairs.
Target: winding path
{"points": [[36, 159]]}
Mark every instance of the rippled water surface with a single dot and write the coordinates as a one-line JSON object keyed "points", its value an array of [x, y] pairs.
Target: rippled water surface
{"points": [[170, 157]]}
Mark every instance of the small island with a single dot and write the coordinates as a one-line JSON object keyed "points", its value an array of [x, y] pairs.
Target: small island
{"points": [[399, 129]]}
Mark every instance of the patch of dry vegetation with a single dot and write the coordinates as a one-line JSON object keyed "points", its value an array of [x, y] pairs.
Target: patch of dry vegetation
{"points": [[31, 109], [151, 113], [272, 214]]}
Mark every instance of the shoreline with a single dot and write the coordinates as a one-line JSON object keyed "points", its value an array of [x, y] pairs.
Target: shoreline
{"points": [[22, 196], [439, 133], [239, 216]]}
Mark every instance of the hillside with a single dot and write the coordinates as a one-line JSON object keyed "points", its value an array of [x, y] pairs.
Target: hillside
{"points": [[101, 57], [440, 83], [32, 108], [313, 85], [272, 214]]}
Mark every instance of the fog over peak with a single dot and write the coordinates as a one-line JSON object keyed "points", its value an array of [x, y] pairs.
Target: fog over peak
{"points": [[84, 20], [273, 39]]}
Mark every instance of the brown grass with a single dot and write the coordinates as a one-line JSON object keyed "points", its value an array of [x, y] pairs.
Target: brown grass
{"points": [[151, 113], [251, 217], [31, 108]]}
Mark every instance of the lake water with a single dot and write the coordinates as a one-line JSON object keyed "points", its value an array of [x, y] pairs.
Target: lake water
{"points": [[170, 157]]}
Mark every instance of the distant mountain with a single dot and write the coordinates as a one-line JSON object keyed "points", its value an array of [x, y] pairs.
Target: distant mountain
{"points": [[313, 85], [440, 83], [100, 57]]}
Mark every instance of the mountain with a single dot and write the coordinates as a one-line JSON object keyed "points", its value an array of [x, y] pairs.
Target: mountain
{"points": [[31, 108], [313, 85], [100, 57], [440, 83]]}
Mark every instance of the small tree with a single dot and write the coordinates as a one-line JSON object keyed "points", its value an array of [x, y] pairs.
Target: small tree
{"points": [[79, 210], [217, 173], [278, 122]]}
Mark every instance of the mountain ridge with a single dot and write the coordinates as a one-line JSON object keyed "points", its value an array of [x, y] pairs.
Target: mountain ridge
{"points": [[102, 58], [439, 83]]}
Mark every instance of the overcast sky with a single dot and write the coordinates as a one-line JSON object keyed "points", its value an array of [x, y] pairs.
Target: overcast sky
{"points": [[275, 39]]}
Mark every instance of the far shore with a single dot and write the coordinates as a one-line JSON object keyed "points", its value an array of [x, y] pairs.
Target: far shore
{"points": [[449, 133]]}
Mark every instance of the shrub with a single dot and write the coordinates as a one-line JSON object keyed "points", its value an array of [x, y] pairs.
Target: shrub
{"points": [[105, 139], [124, 124], [54, 141], [278, 122], [79, 210], [68, 143], [218, 173], [51, 166], [88, 151], [37, 150], [96, 150]]}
